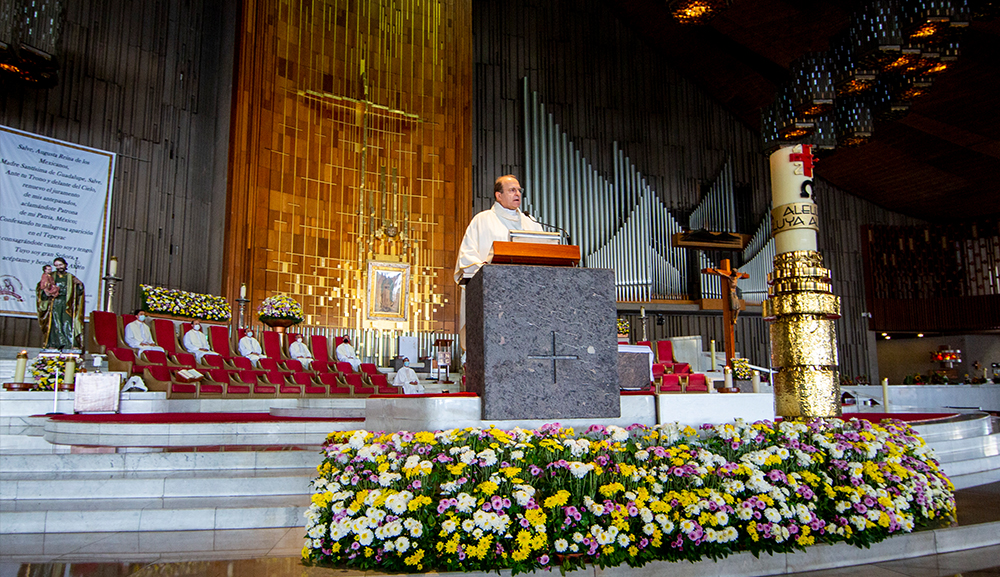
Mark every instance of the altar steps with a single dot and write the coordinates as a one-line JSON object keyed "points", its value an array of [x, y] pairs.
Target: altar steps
{"points": [[968, 448], [179, 491]]}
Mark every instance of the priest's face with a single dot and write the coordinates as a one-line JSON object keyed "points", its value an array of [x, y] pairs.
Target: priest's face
{"points": [[60, 265], [510, 196]]}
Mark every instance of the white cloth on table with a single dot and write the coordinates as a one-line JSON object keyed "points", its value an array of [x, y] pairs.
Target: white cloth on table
{"points": [[250, 348], [138, 336], [486, 228], [300, 352], [196, 343], [346, 354], [404, 378]]}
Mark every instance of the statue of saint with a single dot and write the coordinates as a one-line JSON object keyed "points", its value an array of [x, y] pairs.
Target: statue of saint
{"points": [[60, 308]]}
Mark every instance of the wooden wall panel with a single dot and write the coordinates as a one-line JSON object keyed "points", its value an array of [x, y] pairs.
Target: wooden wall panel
{"points": [[149, 81]]}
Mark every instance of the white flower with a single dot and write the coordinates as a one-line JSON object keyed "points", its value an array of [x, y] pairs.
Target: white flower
{"points": [[646, 515], [402, 544], [466, 502], [358, 439], [623, 540], [397, 503], [316, 531], [578, 537], [772, 514], [618, 434], [579, 470], [561, 545], [468, 456], [365, 537], [649, 528], [449, 525], [468, 525], [642, 454], [517, 455], [721, 517], [488, 456], [574, 547]]}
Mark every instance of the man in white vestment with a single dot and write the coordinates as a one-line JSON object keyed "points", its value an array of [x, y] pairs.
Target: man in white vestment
{"points": [[407, 378], [138, 336], [346, 354], [196, 343], [486, 227], [300, 352], [250, 348]]}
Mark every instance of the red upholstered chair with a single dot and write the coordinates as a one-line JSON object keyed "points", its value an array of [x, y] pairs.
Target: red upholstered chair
{"points": [[125, 359], [346, 368], [218, 336], [322, 367], [185, 360], [697, 383], [165, 335], [665, 358], [254, 386], [381, 384], [214, 384], [154, 357], [337, 387], [309, 386], [337, 341], [369, 368], [241, 363], [357, 385], [104, 333], [268, 364], [159, 378], [277, 379], [669, 383], [320, 348], [127, 318], [272, 346], [293, 366], [214, 361]]}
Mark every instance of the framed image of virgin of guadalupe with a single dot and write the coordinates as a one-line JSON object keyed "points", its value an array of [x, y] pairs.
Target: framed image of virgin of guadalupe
{"points": [[388, 290]]}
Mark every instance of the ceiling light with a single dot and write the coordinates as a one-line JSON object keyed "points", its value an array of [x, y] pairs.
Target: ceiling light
{"points": [[920, 335], [695, 11]]}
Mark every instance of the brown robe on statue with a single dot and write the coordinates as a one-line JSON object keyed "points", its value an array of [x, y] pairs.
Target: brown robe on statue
{"points": [[61, 316]]}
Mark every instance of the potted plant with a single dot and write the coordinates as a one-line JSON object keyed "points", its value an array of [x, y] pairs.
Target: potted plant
{"points": [[280, 312]]}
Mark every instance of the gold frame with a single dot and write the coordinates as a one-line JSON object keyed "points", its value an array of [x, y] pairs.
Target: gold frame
{"points": [[395, 309]]}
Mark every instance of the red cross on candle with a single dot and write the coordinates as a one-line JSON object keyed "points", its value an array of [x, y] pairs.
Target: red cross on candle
{"points": [[805, 157]]}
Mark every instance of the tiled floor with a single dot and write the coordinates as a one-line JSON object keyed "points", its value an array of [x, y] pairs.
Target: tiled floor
{"points": [[983, 562]]}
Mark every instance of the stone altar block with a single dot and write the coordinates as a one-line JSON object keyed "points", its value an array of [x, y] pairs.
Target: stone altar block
{"points": [[541, 342]]}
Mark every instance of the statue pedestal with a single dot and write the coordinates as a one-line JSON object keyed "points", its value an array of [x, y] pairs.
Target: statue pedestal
{"points": [[541, 342]]}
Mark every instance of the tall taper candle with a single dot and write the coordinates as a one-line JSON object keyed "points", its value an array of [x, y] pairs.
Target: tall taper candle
{"points": [[885, 395], [113, 266], [70, 377], [711, 348], [243, 291], [755, 381]]}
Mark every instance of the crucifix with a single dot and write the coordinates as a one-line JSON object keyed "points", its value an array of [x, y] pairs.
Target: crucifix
{"points": [[730, 304]]}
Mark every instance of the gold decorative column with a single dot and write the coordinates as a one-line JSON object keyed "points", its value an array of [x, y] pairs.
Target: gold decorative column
{"points": [[801, 306]]}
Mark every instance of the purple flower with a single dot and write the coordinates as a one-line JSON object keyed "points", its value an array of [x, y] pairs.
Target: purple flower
{"points": [[534, 470], [355, 546], [544, 559]]}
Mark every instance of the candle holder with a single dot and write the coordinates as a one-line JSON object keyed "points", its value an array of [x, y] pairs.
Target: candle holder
{"points": [[110, 281], [243, 303]]}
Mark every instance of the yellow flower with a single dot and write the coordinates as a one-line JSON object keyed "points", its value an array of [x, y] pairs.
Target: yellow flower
{"points": [[557, 500], [487, 487], [418, 502], [511, 472]]}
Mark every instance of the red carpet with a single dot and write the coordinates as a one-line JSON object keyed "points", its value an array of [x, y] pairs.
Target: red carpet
{"points": [[424, 396], [190, 418]]}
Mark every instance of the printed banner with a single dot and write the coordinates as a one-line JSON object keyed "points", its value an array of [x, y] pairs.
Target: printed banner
{"points": [[54, 202]]}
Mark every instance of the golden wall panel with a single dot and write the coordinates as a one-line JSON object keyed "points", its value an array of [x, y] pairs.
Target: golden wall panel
{"points": [[349, 144]]}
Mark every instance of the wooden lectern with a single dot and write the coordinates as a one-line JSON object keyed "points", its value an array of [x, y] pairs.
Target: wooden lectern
{"points": [[534, 253]]}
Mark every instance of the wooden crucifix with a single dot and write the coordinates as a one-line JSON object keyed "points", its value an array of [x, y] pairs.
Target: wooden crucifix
{"points": [[730, 305]]}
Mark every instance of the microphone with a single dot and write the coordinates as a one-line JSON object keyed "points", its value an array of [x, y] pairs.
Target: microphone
{"points": [[559, 228]]}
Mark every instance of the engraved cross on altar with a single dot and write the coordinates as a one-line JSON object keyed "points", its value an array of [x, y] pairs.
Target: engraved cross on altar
{"points": [[730, 304], [554, 357]]}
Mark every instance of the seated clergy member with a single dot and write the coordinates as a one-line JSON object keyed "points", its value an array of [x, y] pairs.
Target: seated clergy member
{"points": [[138, 336], [196, 342], [346, 354], [407, 378], [300, 352], [250, 347]]}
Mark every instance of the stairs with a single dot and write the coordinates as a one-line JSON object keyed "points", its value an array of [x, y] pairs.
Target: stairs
{"points": [[968, 448]]}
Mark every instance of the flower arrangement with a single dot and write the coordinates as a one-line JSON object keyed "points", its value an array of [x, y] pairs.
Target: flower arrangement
{"points": [[623, 326], [741, 369], [44, 370], [185, 304], [280, 307], [487, 500]]}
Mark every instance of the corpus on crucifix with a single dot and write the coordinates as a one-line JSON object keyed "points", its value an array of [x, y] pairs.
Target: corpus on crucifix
{"points": [[730, 305]]}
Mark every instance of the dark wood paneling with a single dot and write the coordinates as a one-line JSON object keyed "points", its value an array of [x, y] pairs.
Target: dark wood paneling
{"points": [[149, 81]]}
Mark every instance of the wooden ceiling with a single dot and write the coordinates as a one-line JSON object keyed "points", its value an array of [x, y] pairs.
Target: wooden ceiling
{"points": [[939, 163]]}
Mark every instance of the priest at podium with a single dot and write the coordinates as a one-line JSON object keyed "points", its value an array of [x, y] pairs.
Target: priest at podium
{"points": [[489, 226]]}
